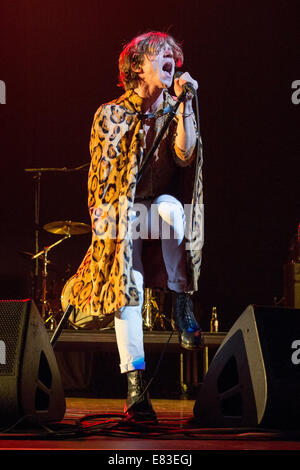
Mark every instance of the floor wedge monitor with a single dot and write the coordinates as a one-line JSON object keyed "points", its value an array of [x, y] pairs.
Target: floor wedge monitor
{"points": [[30, 382], [254, 378]]}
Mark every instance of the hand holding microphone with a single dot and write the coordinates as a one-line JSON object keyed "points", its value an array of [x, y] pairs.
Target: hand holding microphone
{"points": [[183, 82]]}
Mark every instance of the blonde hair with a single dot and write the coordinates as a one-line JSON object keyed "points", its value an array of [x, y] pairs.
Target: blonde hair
{"points": [[134, 52]]}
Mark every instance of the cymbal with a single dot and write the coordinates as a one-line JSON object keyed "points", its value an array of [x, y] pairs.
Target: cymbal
{"points": [[66, 227]]}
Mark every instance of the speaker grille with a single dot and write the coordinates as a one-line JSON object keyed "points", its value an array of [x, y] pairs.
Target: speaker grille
{"points": [[11, 328]]}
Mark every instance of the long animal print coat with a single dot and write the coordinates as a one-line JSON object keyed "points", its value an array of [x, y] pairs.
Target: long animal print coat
{"points": [[104, 282]]}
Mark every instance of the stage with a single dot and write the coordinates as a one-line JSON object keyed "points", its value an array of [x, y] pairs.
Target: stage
{"points": [[94, 422], [58, 66], [96, 425]]}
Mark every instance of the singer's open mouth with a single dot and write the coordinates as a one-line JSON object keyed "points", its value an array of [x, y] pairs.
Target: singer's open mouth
{"points": [[168, 68]]}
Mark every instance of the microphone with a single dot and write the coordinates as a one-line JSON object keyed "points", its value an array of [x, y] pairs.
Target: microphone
{"points": [[187, 87]]}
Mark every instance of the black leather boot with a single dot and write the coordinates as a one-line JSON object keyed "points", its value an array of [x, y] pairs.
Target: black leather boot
{"points": [[138, 405], [190, 334]]}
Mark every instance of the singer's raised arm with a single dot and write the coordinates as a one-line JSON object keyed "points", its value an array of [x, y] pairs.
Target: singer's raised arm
{"points": [[186, 134]]}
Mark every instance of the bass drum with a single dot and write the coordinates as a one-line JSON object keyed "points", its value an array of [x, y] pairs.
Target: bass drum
{"points": [[79, 319]]}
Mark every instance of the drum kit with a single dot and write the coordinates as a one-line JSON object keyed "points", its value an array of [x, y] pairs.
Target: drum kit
{"points": [[48, 295], [67, 228], [51, 299], [46, 291]]}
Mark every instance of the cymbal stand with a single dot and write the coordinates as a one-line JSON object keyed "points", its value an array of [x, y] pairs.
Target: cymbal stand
{"points": [[149, 305], [151, 312], [37, 173], [37, 197], [47, 315]]}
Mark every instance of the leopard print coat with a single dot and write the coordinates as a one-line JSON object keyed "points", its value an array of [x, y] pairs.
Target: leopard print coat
{"points": [[104, 281]]}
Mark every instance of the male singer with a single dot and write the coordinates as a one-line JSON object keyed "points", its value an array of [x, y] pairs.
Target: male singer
{"points": [[110, 279]]}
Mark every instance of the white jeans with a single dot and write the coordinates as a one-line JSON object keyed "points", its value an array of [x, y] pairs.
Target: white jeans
{"points": [[129, 321]]}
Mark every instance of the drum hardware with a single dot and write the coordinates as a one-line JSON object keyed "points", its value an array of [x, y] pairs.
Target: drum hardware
{"points": [[28, 254], [66, 228], [37, 173], [150, 305], [152, 316], [47, 314], [51, 322]]}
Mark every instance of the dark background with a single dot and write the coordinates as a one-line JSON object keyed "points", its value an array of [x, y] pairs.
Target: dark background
{"points": [[59, 62]]}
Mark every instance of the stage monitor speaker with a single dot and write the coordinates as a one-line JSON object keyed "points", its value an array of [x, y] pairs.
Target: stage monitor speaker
{"points": [[30, 382], [254, 377]]}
